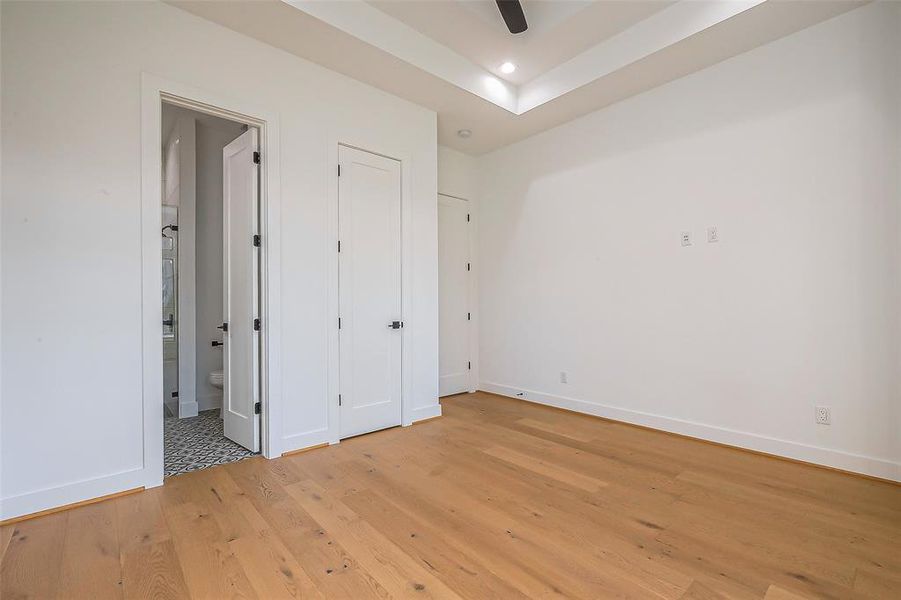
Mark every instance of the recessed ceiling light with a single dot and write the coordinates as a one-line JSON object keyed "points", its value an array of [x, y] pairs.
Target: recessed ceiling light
{"points": [[464, 133], [508, 67]]}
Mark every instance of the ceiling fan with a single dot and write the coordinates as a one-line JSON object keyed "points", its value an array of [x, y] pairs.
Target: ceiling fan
{"points": [[511, 11]]}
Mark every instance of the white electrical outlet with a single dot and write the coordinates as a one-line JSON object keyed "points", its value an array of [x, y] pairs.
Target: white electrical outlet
{"points": [[823, 415], [686, 238], [713, 235], [563, 377]]}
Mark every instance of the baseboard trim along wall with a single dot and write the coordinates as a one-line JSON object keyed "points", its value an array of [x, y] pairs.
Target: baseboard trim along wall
{"points": [[209, 402], [835, 459], [307, 449], [188, 408], [50, 511], [76, 493], [306, 440], [425, 412]]}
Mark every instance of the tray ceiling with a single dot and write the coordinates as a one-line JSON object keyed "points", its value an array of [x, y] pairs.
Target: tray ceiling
{"points": [[577, 56]]}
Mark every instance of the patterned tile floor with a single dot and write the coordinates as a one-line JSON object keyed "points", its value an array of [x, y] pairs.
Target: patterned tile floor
{"points": [[197, 443]]}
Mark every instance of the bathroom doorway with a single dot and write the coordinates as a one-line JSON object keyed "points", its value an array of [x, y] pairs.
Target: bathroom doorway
{"points": [[211, 289]]}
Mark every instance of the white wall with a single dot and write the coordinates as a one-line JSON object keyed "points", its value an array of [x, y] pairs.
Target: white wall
{"points": [[71, 253], [179, 191], [792, 151], [458, 174]]}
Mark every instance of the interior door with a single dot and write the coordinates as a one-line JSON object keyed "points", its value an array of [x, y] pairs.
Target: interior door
{"points": [[369, 281], [454, 312], [241, 349]]}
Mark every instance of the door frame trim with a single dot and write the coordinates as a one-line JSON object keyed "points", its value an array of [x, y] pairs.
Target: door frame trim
{"points": [[377, 147], [154, 91], [472, 293]]}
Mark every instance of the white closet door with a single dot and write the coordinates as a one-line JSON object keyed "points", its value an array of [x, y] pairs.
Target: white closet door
{"points": [[241, 350], [369, 280], [453, 296]]}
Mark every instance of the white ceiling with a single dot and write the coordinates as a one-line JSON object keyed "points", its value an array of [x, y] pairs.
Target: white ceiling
{"points": [[576, 57], [557, 31]]}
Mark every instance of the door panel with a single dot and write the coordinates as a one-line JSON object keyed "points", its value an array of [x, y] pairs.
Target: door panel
{"points": [[241, 350], [369, 281], [453, 296]]}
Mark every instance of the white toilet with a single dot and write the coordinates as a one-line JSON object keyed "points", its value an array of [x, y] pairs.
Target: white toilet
{"points": [[216, 379]]}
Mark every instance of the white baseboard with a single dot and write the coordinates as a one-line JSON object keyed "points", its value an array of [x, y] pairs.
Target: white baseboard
{"points": [[299, 441], [308, 439], [425, 412], [32, 502], [187, 408], [209, 402], [866, 465]]}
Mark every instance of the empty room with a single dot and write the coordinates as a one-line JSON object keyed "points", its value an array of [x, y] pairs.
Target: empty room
{"points": [[457, 299]]}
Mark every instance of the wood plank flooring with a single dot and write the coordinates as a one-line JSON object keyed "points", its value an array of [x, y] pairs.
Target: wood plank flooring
{"points": [[497, 499]]}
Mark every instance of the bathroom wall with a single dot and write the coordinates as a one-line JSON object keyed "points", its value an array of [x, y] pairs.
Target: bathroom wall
{"points": [[212, 136], [178, 209]]}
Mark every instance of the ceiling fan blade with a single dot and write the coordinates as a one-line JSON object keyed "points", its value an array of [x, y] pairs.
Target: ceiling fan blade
{"points": [[515, 19]]}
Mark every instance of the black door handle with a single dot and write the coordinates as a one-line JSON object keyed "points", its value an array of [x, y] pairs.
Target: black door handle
{"points": [[395, 324], [223, 327]]}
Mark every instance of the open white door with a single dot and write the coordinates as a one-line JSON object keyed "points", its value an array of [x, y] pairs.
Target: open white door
{"points": [[454, 312], [369, 281], [241, 350]]}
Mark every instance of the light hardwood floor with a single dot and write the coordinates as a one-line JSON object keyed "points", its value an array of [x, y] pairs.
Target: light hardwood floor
{"points": [[497, 499]]}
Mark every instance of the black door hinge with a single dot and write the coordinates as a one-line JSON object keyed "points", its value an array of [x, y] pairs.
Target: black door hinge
{"points": [[467, 217], [469, 365], [256, 158], [256, 324], [339, 322], [339, 170], [223, 327], [257, 240], [469, 316], [468, 266], [175, 394], [339, 245], [339, 399], [257, 408]]}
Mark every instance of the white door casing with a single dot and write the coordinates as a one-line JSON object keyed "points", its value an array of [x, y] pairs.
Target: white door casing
{"points": [[155, 91], [369, 290], [241, 306], [454, 311]]}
